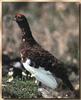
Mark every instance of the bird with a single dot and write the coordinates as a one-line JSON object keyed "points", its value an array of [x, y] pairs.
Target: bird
{"points": [[44, 66], [17, 68], [13, 67]]}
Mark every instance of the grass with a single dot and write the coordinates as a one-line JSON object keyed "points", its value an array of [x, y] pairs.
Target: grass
{"points": [[19, 89]]}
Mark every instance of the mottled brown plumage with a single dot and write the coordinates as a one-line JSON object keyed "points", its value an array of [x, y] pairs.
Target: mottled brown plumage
{"points": [[40, 57]]}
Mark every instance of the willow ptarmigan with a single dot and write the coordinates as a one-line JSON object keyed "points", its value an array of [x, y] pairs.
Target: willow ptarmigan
{"points": [[39, 62]]}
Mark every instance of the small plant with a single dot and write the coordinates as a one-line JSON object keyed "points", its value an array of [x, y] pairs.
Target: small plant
{"points": [[19, 89]]}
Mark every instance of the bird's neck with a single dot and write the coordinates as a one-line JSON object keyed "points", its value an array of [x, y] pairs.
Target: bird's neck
{"points": [[27, 36]]}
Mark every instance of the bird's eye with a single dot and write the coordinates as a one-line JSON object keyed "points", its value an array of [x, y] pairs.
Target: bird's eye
{"points": [[19, 17]]}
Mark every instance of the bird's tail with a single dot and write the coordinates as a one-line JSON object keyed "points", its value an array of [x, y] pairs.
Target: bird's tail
{"points": [[68, 83], [70, 86]]}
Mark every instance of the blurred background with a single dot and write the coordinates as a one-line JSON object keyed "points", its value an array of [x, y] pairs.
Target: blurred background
{"points": [[55, 26]]}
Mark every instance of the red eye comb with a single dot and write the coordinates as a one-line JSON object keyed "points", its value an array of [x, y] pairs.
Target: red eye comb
{"points": [[19, 15]]}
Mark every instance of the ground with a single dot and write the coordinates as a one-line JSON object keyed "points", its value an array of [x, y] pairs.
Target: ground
{"points": [[29, 89]]}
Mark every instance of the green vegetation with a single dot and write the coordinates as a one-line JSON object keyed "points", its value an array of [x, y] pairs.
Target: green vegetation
{"points": [[19, 89]]}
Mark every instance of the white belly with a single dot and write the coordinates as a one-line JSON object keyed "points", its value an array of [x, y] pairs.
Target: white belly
{"points": [[41, 75]]}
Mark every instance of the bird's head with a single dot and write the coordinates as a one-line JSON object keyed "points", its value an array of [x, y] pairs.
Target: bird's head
{"points": [[21, 20], [23, 24]]}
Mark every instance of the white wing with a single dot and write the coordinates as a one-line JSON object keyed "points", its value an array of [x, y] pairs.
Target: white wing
{"points": [[41, 75]]}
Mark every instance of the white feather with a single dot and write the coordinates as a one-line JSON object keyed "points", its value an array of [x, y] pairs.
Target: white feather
{"points": [[41, 75], [17, 65]]}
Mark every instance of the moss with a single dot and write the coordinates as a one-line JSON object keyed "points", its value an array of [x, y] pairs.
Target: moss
{"points": [[19, 89]]}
